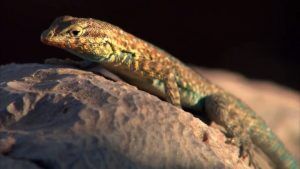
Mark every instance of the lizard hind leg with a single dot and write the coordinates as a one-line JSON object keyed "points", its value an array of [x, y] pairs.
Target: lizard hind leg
{"points": [[222, 109]]}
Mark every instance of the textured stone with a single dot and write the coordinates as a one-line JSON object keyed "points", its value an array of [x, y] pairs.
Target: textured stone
{"points": [[68, 118]]}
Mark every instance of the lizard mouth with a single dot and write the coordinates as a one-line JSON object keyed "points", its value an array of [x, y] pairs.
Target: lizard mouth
{"points": [[48, 38]]}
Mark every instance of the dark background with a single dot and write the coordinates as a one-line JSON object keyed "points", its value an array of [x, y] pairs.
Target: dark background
{"points": [[257, 38]]}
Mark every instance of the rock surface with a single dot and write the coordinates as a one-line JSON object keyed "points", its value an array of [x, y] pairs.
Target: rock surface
{"points": [[54, 117]]}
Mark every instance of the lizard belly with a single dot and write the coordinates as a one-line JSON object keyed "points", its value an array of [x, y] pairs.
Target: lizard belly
{"points": [[191, 99], [188, 98], [153, 86]]}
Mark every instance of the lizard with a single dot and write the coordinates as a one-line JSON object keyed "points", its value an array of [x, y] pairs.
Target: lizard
{"points": [[157, 72]]}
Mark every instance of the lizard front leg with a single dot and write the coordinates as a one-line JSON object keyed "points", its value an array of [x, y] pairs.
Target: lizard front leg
{"points": [[171, 89], [223, 110]]}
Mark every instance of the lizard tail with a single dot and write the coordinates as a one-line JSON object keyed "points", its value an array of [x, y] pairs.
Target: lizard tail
{"points": [[272, 146]]}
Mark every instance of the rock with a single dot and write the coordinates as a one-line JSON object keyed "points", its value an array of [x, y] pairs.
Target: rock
{"points": [[55, 117]]}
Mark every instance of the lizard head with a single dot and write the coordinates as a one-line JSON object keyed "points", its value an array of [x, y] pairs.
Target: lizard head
{"points": [[87, 38]]}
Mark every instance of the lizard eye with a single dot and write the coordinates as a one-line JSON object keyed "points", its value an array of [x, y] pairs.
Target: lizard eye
{"points": [[76, 31]]}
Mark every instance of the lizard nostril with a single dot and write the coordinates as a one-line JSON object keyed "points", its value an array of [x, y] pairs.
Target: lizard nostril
{"points": [[50, 34], [46, 35]]}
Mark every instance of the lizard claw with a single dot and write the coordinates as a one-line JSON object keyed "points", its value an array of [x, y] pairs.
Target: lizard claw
{"points": [[245, 146], [246, 150]]}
